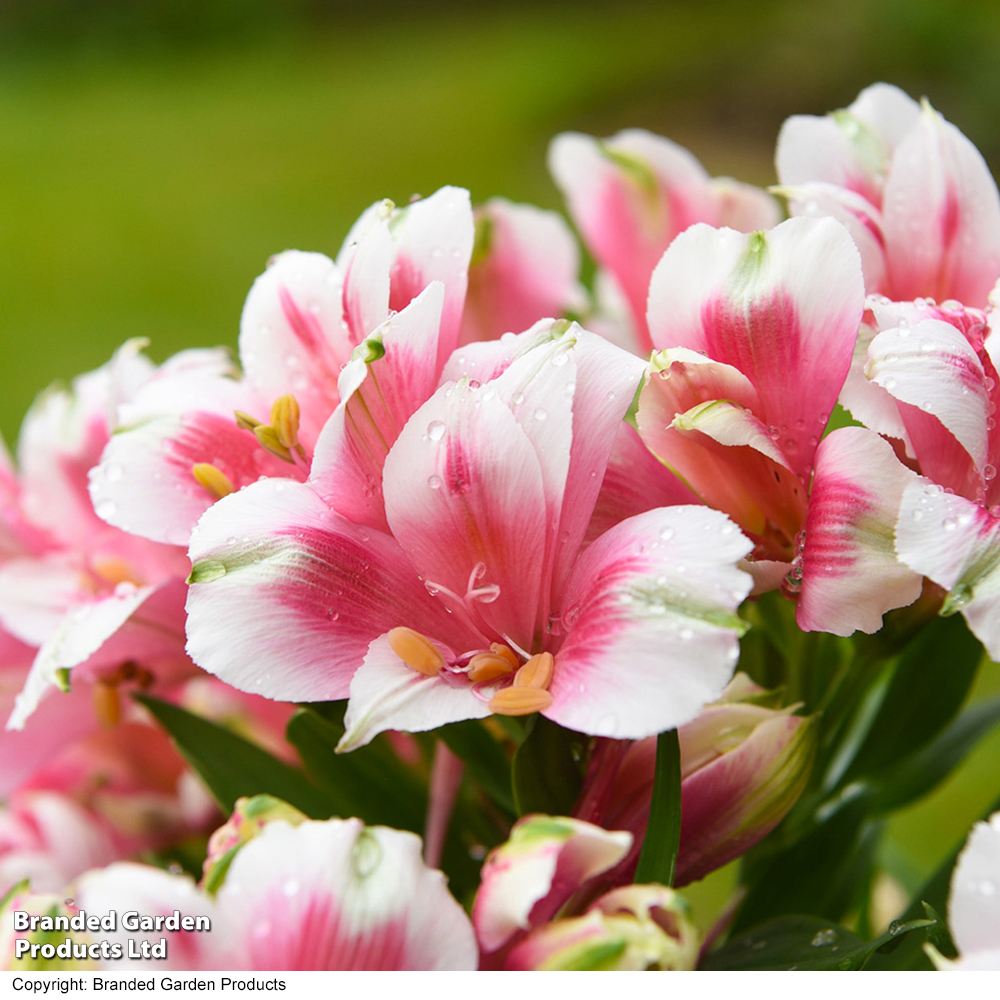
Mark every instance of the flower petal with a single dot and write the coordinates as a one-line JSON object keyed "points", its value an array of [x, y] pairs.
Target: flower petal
{"points": [[783, 307], [974, 899], [338, 896], [850, 573], [652, 634], [387, 694], [286, 595]]}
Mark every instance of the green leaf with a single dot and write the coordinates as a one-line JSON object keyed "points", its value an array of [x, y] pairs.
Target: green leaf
{"points": [[928, 686], [658, 857], [484, 759], [371, 782], [547, 769], [232, 767], [803, 943], [914, 777]]}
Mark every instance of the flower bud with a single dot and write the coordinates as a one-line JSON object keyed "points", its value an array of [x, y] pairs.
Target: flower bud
{"points": [[249, 818], [637, 927], [56, 943], [743, 765]]}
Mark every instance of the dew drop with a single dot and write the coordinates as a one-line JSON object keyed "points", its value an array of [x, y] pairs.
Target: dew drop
{"points": [[685, 634], [666, 534], [560, 359], [539, 414], [987, 888], [434, 482], [517, 399], [435, 430], [291, 887], [949, 524], [823, 938], [106, 509], [989, 472], [113, 472]]}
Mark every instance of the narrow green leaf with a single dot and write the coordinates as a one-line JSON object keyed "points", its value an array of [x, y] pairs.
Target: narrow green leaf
{"points": [[484, 759], [232, 767], [371, 782], [658, 857], [805, 943], [929, 684], [547, 774], [914, 777]]}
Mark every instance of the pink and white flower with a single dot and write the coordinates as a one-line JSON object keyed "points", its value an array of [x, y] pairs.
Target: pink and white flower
{"points": [[757, 334], [915, 194], [631, 195], [478, 598]]}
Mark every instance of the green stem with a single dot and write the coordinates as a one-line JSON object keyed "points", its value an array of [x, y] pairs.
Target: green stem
{"points": [[658, 857]]}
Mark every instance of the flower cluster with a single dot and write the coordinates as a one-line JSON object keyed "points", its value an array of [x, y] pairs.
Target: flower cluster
{"points": [[507, 539]]}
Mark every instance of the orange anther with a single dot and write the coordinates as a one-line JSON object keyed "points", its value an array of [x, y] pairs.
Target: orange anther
{"points": [[213, 479], [113, 570], [536, 673], [244, 421], [107, 704], [507, 653], [415, 650], [520, 701], [488, 667]]}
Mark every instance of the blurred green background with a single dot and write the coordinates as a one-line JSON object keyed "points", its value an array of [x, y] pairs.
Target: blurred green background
{"points": [[155, 153]]}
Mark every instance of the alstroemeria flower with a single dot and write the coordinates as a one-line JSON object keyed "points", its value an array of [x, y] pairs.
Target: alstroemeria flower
{"points": [[333, 895], [758, 333], [478, 598], [937, 393], [84, 596], [630, 195], [524, 267], [974, 903], [530, 877], [915, 194], [191, 438]]}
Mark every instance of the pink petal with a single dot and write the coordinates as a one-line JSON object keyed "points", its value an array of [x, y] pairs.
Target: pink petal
{"points": [[955, 543], [524, 268], [387, 694], [932, 367], [634, 482], [465, 497], [379, 397], [850, 573], [340, 896], [286, 595], [942, 216], [294, 338], [433, 240], [784, 308], [630, 196], [649, 613]]}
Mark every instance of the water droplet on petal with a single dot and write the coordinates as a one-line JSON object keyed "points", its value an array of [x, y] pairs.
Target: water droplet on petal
{"points": [[435, 430], [539, 414], [434, 482], [666, 534], [949, 524], [106, 509]]}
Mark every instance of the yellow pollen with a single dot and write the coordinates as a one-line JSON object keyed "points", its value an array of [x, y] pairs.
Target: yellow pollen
{"points": [[285, 420], [268, 437], [520, 701], [114, 571], [507, 653], [107, 704], [213, 479], [244, 421], [415, 650], [536, 673], [488, 667]]}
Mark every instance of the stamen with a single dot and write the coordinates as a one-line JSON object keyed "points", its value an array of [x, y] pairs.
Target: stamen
{"points": [[268, 437], [520, 701], [415, 650], [507, 653], [488, 667], [114, 571], [285, 421], [244, 421], [536, 673], [213, 479], [107, 704]]}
